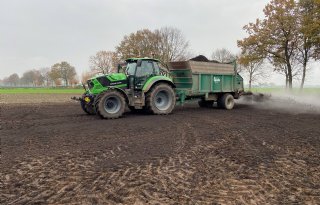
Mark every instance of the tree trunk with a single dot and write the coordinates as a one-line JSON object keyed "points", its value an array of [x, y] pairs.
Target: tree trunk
{"points": [[287, 58], [290, 76], [250, 81], [305, 62], [303, 75]]}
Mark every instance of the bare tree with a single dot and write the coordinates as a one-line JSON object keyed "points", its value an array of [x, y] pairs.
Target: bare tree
{"points": [[252, 65], [86, 75], [103, 62], [255, 71], [74, 81], [171, 44], [45, 73], [38, 78], [223, 56], [166, 44]]}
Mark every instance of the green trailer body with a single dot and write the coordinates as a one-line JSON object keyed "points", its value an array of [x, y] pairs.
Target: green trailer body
{"points": [[194, 79]]}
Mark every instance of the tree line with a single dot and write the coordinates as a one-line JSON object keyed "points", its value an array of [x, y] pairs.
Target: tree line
{"points": [[286, 39], [60, 74]]}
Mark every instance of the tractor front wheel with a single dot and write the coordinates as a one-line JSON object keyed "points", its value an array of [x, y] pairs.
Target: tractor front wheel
{"points": [[87, 108], [110, 104], [161, 99]]}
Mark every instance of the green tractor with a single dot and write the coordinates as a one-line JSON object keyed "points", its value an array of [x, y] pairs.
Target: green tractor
{"points": [[146, 84]]}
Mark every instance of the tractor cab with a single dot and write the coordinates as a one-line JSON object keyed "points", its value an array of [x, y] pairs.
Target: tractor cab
{"points": [[139, 70]]}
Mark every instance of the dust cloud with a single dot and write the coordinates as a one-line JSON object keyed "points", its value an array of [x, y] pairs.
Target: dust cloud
{"points": [[295, 103]]}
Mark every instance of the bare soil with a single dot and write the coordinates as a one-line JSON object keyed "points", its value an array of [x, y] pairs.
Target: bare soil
{"points": [[53, 153]]}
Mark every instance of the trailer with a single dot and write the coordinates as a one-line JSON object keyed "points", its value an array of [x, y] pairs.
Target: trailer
{"points": [[147, 84], [206, 80]]}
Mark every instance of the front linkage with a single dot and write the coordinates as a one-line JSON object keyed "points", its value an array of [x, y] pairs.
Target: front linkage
{"points": [[86, 102]]}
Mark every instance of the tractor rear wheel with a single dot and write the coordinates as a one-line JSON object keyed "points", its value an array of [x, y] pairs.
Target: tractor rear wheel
{"points": [[110, 104], [207, 104], [161, 99], [226, 101], [87, 108]]}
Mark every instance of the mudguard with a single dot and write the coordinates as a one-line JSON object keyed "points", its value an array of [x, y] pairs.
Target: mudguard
{"points": [[156, 79]]}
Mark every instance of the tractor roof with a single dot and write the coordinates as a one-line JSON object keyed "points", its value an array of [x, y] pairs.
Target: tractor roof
{"points": [[145, 58]]}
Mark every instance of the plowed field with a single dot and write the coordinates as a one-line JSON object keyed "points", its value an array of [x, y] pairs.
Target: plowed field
{"points": [[53, 153]]}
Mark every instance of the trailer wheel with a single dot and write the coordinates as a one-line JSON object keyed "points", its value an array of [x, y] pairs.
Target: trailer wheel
{"points": [[110, 104], [207, 104], [87, 108], [161, 99], [226, 101]]}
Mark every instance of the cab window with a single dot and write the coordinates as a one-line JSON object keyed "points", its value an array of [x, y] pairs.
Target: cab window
{"points": [[156, 68], [131, 68], [145, 69]]}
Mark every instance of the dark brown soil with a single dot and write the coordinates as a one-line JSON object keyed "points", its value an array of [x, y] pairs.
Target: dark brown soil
{"points": [[54, 153]]}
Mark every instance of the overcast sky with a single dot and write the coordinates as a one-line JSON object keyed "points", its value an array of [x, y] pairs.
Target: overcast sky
{"points": [[39, 33]]}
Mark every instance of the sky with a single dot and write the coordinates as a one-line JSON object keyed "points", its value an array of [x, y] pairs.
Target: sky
{"points": [[40, 33]]}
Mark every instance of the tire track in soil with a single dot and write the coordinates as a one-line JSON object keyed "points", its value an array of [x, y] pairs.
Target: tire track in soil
{"points": [[212, 159]]}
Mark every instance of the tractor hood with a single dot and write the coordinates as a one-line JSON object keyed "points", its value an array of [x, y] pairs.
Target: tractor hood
{"points": [[102, 82]]}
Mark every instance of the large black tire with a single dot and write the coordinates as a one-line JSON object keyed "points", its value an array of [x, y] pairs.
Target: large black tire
{"points": [[110, 104], [87, 108], [206, 104], [226, 101], [161, 99]]}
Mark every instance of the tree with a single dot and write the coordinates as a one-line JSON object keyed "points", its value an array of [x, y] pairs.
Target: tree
{"points": [[64, 71], [55, 76], [103, 61], [74, 81], [5, 81], [13, 79], [252, 65], [223, 56], [139, 44], [166, 44], [171, 44], [86, 75], [276, 36], [45, 73], [38, 78], [315, 27], [28, 77], [309, 29]]}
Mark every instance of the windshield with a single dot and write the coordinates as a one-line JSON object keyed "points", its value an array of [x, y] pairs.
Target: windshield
{"points": [[131, 68]]}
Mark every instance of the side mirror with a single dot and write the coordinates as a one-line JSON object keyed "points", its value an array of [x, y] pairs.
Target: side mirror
{"points": [[139, 62]]}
